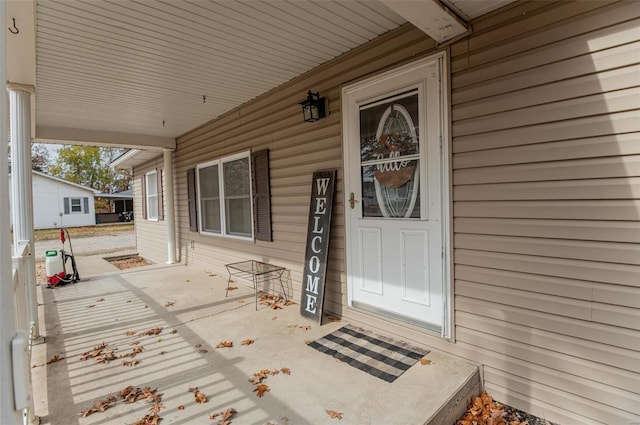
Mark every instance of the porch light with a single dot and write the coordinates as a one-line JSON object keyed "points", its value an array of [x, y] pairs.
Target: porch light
{"points": [[313, 108]]}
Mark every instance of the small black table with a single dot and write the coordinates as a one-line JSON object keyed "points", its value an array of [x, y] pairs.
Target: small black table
{"points": [[256, 272]]}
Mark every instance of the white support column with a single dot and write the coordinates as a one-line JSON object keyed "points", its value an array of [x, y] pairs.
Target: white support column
{"points": [[22, 188], [169, 210], [8, 413]]}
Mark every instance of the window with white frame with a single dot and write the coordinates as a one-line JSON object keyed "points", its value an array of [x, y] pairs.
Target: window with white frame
{"points": [[76, 205], [152, 195], [224, 196]]}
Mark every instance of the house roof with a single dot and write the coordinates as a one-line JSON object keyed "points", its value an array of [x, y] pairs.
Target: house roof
{"points": [[67, 182], [125, 194]]}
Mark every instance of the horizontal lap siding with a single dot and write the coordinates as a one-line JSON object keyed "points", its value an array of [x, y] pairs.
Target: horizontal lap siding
{"points": [[546, 205], [151, 236], [296, 150]]}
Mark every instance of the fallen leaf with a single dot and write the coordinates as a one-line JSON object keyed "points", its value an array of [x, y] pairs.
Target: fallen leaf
{"points": [[152, 331], [99, 300], [162, 352], [173, 332], [224, 344], [130, 362], [169, 304], [98, 406], [54, 359], [232, 288], [203, 350], [92, 305], [135, 343], [247, 342], [333, 414], [286, 370], [332, 318], [261, 389], [425, 362], [213, 415], [130, 333], [200, 397], [305, 327]]}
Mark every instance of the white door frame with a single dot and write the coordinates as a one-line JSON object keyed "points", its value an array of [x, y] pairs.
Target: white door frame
{"points": [[445, 179]]}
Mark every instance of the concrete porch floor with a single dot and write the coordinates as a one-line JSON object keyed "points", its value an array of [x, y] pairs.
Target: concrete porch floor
{"points": [[74, 321]]}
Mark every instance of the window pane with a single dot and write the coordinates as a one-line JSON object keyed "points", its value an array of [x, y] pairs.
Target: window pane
{"points": [[209, 186], [237, 192], [211, 215], [236, 178], [152, 184], [76, 205], [209, 182], [152, 207], [238, 216]]}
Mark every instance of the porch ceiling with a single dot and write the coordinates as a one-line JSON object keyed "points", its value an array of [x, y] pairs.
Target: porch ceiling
{"points": [[160, 68]]}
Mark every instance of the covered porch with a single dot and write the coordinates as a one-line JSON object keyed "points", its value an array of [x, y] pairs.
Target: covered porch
{"points": [[139, 75], [190, 316]]}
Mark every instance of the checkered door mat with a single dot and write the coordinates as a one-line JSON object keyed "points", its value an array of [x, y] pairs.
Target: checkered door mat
{"points": [[379, 356]]}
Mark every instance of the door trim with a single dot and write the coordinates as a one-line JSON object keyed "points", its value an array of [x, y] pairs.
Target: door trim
{"points": [[382, 80]]}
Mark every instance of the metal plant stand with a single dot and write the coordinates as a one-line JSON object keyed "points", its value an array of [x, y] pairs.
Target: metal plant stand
{"points": [[257, 273]]}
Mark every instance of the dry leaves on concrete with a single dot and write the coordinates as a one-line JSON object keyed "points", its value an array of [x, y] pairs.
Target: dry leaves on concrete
{"points": [[274, 301], [333, 414], [225, 416], [98, 406], [198, 395], [100, 354], [258, 378], [425, 361], [247, 342], [225, 344], [170, 304], [55, 358], [261, 389], [152, 331]]}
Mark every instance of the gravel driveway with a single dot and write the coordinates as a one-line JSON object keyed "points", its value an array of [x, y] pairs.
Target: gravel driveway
{"points": [[91, 245]]}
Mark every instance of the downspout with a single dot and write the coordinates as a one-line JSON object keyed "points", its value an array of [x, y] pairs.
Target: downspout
{"points": [[8, 412], [169, 211]]}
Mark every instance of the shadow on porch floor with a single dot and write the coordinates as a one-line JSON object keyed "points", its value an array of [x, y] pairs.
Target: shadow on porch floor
{"points": [[103, 309]]}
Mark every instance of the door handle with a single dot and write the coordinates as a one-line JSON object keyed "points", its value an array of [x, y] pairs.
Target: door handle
{"points": [[352, 201]]}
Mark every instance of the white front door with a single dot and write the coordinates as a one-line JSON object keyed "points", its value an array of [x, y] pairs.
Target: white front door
{"points": [[394, 187]]}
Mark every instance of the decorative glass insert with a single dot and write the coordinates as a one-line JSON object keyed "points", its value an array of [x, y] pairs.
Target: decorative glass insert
{"points": [[390, 158]]}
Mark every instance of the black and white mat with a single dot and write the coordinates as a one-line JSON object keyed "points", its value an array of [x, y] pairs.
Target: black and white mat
{"points": [[377, 355]]}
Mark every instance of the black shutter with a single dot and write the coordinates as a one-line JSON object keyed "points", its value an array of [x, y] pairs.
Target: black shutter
{"points": [[67, 208], [261, 195], [86, 205], [143, 184], [192, 199], [160, 197]]}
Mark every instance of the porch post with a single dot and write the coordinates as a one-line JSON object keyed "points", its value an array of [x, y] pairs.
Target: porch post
{"points": [[22, 188], [169, 214], [8, 412]]}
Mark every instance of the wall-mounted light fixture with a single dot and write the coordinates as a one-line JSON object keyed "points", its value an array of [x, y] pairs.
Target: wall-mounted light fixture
{"points": [[313, 108]]}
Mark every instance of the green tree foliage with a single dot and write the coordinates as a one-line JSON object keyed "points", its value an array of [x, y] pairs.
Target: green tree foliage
{"points": [[89, 166]]}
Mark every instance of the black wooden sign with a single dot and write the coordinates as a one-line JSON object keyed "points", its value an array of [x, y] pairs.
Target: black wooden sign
{"points": [[317, 252]]}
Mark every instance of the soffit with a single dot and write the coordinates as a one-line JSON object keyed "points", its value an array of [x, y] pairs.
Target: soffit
{"points": [[163, 67]]}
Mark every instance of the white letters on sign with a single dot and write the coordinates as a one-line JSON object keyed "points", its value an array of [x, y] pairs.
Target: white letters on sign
{"points": [[315, 268]]}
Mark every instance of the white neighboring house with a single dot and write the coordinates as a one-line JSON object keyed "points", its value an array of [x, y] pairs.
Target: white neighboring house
{"points": [[58, 202]]}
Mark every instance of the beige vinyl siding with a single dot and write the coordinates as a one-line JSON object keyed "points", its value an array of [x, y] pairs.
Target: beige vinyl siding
{"points": [[297, 149], [151, 236], [546, 204], [546, 199]]}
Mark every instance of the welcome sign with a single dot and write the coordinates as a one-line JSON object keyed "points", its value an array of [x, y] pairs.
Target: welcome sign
{"points": [[317, 251]]}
